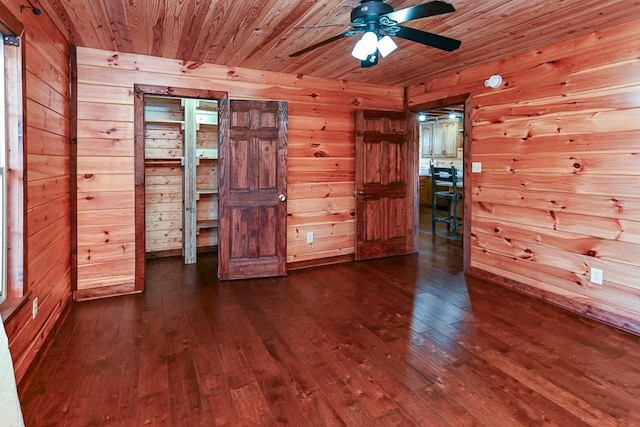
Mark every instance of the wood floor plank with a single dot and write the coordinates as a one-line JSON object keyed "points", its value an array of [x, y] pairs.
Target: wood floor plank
{"points": [[406, 341]]}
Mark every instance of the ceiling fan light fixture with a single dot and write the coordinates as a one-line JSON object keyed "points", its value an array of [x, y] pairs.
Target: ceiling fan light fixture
{"points": [[386, 45], [359, 51], [366, 46]]}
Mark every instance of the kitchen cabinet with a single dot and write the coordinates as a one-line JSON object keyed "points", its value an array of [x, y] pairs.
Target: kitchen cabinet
{"points": [[440, 138], [426, 192]]}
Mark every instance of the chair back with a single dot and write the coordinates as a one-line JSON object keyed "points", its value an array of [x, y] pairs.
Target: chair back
{"points": [[447, 177]]}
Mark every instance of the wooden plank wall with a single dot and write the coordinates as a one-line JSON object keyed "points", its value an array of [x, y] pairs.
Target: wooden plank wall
{"points": [[164, 142], [163, 214], [46, 142], [559, 191], [321, 149]]}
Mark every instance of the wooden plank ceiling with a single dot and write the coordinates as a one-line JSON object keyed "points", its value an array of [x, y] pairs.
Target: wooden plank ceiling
{"points": [[260, 34]]}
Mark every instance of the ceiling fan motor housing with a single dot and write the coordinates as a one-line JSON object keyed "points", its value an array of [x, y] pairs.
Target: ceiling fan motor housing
{"points": [[369, 11]]}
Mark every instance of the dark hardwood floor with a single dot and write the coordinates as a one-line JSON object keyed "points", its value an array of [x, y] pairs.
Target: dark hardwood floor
{"points": [[397, 341]]}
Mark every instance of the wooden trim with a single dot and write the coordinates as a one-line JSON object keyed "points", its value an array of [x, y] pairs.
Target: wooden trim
{"points": [[359, 160], [22, 137], [73, 165], [320, 261], [179, 92], [282, 162], [467, 193], [439, 103], [107, 291], [139, 203], [10, 21], [11, 306], [467, 99], [140, 91], [16, 173], [163, 254], [414, 174], [573, 305], [224, 117], [413, 179]]}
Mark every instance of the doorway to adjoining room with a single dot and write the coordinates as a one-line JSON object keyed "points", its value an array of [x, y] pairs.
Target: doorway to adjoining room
{"points": [[441, 145]]}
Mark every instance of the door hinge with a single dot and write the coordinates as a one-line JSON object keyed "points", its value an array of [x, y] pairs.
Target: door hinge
{"points": [[11, 40]]}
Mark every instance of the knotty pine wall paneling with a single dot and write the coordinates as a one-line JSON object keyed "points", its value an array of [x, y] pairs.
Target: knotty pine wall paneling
{"points": [[320, 151], [559, 191], [163, 148], [46, 129]]}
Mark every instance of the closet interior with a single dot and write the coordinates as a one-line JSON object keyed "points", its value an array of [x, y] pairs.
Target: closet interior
{"points": [[181, 176]]}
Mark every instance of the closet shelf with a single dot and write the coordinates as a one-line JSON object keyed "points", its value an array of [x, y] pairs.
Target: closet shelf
{"points": [[206, 223], [207, 153], [206, 192], [162, 121], [163, 160]]}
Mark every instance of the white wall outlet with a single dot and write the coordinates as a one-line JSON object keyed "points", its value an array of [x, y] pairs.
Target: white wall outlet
{"points": [[310, 237], [34, 308], [476, 167], [596, 276]]}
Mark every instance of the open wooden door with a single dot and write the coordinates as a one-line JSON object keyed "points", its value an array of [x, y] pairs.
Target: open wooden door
{"points": [[386, 185], [253, 185]]}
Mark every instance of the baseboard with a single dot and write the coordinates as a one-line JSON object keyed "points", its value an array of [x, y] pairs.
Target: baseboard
{"points": [[320, 261], [583, 309], [178, 252], [106, 291], [35, 353], [163, 254]]}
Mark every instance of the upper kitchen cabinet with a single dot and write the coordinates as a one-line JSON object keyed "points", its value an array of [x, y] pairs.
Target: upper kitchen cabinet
{"points": [[441, 138]]}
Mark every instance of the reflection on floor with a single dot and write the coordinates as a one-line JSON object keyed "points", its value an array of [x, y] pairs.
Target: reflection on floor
{"points": [[441, 228]]}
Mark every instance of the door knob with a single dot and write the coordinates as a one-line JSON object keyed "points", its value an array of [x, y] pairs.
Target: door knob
{"points": [[282, 197], [360, 192]]}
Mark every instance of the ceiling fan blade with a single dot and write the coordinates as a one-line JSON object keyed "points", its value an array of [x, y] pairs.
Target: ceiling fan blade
{"points": [[324, 26], [419, 11], [324, 42], [429, 39]]}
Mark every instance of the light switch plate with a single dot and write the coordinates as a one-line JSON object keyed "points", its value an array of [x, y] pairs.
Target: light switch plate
{"points": [[596, 276], [476, 167], [310, 237]]}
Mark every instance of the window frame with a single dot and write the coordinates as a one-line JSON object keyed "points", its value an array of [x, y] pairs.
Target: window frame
{"points": [[12, 111], [3, 182]]}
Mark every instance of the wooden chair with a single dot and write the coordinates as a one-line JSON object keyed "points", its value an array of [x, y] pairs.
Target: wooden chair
{"points": [[445, 186]]}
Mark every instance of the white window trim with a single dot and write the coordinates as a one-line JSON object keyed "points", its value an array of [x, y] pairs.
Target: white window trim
{"points": [[3, 179], [11, 129]]}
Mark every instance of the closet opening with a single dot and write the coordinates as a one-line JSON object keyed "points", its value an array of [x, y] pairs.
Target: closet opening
{"points": [[181, 176]]}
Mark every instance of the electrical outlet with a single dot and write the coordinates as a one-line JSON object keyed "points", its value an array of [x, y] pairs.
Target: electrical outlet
{"points": [[310, 237], [596, 276], [34, 308], [476, 167]]}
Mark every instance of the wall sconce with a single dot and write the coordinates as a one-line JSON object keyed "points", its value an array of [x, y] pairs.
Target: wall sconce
{"points": [[34, 9], [494, 81]]}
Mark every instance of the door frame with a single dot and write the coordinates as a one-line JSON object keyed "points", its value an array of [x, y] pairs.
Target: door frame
{"points": [[140, 90], [467, 100]]}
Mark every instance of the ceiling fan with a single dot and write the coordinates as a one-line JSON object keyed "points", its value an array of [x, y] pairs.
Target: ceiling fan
{"points": [[379, 21]]}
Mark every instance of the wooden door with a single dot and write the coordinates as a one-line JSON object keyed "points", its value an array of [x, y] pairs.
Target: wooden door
{"points": [[386, 185], [253, 185]]}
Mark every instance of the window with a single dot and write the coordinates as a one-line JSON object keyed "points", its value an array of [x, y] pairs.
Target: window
{"points": [[3, 183], [11, 173]]}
